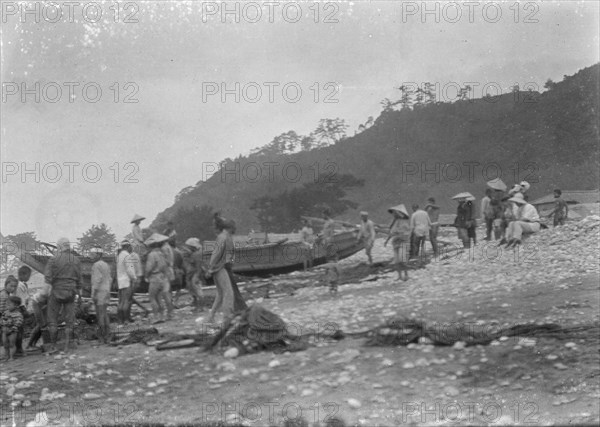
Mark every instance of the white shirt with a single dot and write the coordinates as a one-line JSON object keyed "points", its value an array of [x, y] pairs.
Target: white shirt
{"points": [[41, 295], [420, 223], [23, 293], [528, 212], [125, 270]]}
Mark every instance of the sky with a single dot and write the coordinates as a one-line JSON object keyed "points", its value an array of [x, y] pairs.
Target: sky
{"points": [[160, 121]]}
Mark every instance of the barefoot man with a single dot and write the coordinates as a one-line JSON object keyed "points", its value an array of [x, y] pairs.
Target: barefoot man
{"points": [[366, 234]]}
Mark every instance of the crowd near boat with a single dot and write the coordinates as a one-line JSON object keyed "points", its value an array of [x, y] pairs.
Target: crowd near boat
{"points": [[154, 258]]}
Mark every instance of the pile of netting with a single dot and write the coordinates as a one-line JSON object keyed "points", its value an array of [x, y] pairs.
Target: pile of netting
{"points": [[138, 335], [257, 329], [403, 331]]}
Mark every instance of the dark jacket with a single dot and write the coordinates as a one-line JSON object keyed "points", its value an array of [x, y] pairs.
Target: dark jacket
{"points": [[465, 215], [63, 271]]}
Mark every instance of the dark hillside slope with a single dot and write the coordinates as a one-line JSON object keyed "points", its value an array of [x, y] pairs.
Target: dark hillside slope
{"points": [[550, 139]]}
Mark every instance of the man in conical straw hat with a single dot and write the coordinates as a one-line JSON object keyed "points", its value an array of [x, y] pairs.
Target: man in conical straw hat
{"points": [[136, 233], [498, 188], [527, 221], [465, 218], [400, 235]]}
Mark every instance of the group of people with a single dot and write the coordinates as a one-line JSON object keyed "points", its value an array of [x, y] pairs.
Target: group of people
{"points": [[409, 232], [507, 216], [54, 299], [14, 308], [165, 265], [156, 259]]}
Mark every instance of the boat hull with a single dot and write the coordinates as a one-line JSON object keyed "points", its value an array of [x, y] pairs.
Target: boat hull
{"points": [[250, 259]]}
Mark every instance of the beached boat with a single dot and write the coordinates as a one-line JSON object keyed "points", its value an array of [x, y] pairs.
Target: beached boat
{"points": [[251, 258], [286, 254]]}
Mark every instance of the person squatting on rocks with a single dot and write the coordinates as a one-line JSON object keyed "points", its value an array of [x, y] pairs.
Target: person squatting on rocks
{"points": [[465, 219], [157, 271], [434, 214], [101, 281], [561, 209], [194, 272], [400, 235], [420, 224], [366, 234], [222, 252], [526, 220], [11, 323], [63, 273], [126, 281]]}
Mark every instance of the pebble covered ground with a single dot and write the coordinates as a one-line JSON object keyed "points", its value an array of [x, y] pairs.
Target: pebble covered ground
{"points": [[552, 278]]}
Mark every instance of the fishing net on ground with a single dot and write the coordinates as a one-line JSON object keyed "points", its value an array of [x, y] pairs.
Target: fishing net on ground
{"points": [[137, 335], [403, 331], [257, 329]]}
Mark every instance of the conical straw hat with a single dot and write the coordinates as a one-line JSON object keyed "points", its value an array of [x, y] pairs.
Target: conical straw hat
{"points": [[136, 218], [399, 208], [497, 184], [464, 195]]}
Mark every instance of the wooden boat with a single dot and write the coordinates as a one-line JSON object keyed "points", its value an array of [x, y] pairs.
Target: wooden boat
{"points": [[287, 254], [251, 259]]}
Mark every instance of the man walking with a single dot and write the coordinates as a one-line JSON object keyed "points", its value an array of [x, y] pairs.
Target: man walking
{"points": [[366, 234]]}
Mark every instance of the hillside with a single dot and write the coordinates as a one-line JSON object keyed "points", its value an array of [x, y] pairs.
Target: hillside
{"points": [[549, 139]]}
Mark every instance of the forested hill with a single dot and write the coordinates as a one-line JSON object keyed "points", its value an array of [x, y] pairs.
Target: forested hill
{"points": [[550, 139]]}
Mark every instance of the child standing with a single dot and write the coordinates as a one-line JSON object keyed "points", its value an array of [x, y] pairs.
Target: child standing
{"points": [[561, 209], [11, 322]]}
